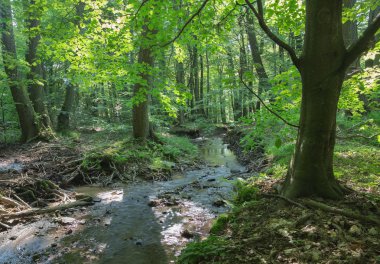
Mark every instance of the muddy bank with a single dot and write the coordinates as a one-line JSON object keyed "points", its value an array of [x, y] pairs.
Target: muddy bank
{"points": [[254, 160], [144, 222]]}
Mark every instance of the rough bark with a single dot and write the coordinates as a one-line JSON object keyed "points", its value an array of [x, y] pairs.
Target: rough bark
{"points": [[63, 121], [311, 168], [140, 111], [35, 86], [25, 111]]}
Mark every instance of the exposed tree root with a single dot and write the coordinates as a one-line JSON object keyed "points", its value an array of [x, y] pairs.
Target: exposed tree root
{"points": [[347, 213]]}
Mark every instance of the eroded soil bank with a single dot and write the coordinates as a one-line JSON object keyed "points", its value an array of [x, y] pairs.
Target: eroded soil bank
{"points": [[144, 222]]}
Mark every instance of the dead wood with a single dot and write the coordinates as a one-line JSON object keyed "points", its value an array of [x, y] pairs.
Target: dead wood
{"points": [[9, 201], [61, 207]]}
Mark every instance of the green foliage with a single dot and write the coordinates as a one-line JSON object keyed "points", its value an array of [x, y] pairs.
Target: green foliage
{"points": [[219, 224], [209, 250], [245, 192]]}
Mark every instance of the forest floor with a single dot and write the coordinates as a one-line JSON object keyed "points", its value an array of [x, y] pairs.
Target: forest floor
{"points": [[264, 227], [261, 227]]}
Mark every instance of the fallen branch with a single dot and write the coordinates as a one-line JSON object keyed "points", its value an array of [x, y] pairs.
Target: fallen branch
{"points": [[347, 213], [61, 207], [5, 225], [9, 201], [21, 201]]}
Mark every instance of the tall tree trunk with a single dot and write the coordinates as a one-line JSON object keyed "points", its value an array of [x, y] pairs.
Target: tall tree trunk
{"points": [[201, 86], [208, 85], [236, 103], [372, 62], [140, 112], [350, 34], [256, 58], [242, 72], [63, 120], [222, 104], [180, 80], [25, 111], [311, 168]]}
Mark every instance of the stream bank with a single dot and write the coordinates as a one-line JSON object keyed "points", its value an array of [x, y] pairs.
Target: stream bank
{"points": [[144, 222]]}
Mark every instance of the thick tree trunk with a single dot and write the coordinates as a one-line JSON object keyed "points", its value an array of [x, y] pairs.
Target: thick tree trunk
{"points": [[25, 111], [311, 168], [35, 88], [140, 111]]}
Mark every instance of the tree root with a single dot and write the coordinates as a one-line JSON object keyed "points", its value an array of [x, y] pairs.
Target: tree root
{"points": [[347, 213], [327, 208]]}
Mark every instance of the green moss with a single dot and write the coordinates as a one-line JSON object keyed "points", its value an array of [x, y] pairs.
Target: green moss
{"points": [[219, 224]]}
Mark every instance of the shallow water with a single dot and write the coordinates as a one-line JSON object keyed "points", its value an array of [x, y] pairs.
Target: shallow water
{"points": [[139, 223]]}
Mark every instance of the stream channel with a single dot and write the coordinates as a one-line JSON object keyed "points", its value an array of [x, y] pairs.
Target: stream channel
{"points": [[141, 223]]}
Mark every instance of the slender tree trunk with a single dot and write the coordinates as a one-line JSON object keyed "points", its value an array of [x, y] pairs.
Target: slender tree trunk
{"points": [[201, 86], [63, 121], [236, 103], [350, 34], [256, 58], [372, 62], [25, 111], [180, 80], [311, 168], [208, 85]]}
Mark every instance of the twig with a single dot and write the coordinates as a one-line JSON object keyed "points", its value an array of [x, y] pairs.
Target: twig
{"points": [[327, 208], [5, 225], [21, 201], [9, 201], [358, 136], [186, 24], [264, 104]]}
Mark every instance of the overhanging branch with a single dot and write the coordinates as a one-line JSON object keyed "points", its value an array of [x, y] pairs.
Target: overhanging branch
{"points": [[362, 44], [271, 35], [264, 104], [186, 24]]}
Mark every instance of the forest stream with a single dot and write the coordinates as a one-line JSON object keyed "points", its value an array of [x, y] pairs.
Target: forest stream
{"points": [[144, 222]]}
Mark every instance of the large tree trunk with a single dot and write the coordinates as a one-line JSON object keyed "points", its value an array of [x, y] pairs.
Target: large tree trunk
{"points": [[26, 115], [311, 168], [35, 87], [140, 111]]}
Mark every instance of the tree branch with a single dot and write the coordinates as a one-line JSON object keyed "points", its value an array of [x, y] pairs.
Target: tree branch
{"points": [[363, 43], [271, 35], [186, 24], [264, 104]]}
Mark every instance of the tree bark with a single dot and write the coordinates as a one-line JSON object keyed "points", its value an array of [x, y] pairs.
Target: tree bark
{"points": [[63, 121], [24, 108], [140, 111], [35, 87], [311, 168], [350, 34], [257, 61]]}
